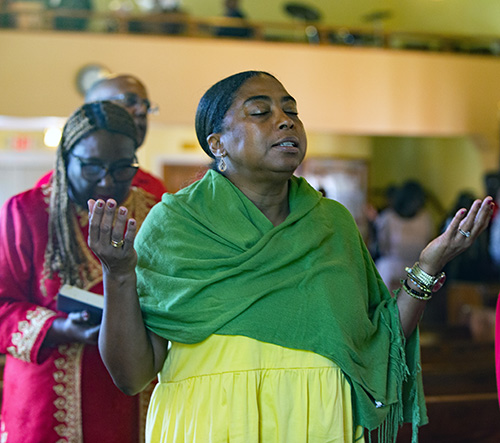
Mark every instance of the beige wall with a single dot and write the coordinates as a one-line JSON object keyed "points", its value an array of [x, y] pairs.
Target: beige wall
{"points": [[340, 90], [345, 94]]}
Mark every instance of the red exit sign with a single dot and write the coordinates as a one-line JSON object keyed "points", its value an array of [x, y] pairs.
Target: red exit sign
{"points": [[21, 142]]}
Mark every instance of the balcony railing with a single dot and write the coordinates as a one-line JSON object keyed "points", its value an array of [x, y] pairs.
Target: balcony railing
{"points": [[30, 15]]}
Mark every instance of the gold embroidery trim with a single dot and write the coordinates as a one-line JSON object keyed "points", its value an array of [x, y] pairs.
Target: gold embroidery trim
{"points": [[68, 389], [46, 191], [4, 435], [28, 330]]}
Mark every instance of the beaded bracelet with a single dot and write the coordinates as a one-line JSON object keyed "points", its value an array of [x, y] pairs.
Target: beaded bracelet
{"points": [[416, 294]]}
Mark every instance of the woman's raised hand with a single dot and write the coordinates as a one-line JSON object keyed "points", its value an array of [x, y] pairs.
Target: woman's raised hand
{"points": [[112, 243], [460, 234]]}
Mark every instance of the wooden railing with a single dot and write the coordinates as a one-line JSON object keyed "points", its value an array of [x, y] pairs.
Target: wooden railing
{"points": [[32, 16]]}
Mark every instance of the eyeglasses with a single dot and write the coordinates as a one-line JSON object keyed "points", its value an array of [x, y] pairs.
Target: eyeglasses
{"points": [[131, 100], [95, 171]]}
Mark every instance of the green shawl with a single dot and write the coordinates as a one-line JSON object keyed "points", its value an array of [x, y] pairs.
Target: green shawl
{"points": [[209, 262]]}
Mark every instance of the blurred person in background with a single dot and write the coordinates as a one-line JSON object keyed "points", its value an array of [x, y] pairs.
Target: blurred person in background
{"points": [[402, 231], [492, 184], [373, 212], [232, 9], [129, 92]]}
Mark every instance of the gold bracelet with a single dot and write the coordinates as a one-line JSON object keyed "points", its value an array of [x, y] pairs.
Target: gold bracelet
{"points": [[417, 284], [416, 294], [431, 283]]}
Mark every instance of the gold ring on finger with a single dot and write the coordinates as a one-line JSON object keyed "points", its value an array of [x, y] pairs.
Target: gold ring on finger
{"points": [[117, 244]]}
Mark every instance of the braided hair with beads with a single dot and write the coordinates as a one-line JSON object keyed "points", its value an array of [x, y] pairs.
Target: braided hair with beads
{"points": [[63, 254]]}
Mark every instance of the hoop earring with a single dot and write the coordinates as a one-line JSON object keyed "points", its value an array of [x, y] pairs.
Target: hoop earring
{"points": [[222, 164]]}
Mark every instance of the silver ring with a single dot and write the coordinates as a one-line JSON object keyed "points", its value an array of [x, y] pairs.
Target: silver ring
{"points": [[464, 233], [117, 244]]}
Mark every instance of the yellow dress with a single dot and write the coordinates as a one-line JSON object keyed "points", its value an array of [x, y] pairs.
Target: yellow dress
{"points": [[239, 390]]}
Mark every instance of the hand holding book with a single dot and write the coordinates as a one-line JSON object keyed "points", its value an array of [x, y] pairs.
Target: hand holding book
{"points": [[82, 324], [72, 299]]}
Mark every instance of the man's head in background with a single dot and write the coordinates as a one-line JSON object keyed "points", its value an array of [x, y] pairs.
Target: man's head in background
{"points": [[128, 91]]}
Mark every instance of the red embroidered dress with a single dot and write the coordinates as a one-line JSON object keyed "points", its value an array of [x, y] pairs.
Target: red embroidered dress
{"points": [[62, 394]]}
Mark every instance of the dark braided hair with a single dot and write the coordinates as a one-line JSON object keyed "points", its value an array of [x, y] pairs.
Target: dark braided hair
{"points": [[63, 254], [215, 103]]}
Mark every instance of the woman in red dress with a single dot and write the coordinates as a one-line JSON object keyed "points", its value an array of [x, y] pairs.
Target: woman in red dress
{"points": [[56, 387]]}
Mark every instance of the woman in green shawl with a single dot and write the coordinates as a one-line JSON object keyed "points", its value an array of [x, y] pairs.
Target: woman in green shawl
{"points": [[280, 327]]}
